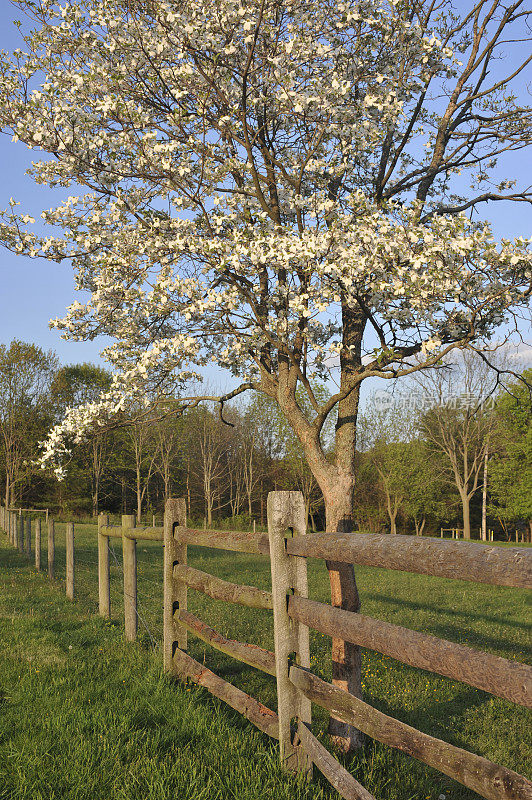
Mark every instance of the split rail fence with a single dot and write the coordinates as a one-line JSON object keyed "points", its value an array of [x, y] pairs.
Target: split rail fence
{"points": [[288, 546]]}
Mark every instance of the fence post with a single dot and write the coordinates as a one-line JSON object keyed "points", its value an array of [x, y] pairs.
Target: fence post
{"points": [[51, 549], [20, 534], [38, 544], [129, 558], [12, 529], [69, 538], [104, 578], [175, 592], [286, 515], [28, 536]]}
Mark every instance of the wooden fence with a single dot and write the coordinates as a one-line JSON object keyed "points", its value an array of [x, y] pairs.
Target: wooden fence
{"points": [[288, 546]]}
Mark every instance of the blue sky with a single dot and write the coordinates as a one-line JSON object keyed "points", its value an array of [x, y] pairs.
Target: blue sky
{"points": [[34, 291]]}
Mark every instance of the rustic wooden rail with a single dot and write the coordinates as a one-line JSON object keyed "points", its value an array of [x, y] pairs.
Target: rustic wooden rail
{"points": [[219, 589], [489, 780], [236, 541], [466, 561], [178, 577], [459, 560], [250, 654], [499, 676]]}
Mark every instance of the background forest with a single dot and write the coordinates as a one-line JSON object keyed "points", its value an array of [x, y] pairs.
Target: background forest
{"points": [[452, 450]]}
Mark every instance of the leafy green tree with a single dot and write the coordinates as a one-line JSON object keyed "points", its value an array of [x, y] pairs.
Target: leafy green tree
{"points": [[426, 496], [369, 504], [26, 373], [510, 470]]}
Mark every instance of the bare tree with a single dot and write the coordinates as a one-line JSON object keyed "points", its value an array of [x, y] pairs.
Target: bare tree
{"points": [[459, 424]]}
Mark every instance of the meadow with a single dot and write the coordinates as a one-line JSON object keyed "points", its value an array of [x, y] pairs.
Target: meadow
{"points": [[83, 714]]}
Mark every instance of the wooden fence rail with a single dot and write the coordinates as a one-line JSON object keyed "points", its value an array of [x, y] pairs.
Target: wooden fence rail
{"points": [[499, 676], [490, 780], [466, 561], [219, 589], [288, 546]]}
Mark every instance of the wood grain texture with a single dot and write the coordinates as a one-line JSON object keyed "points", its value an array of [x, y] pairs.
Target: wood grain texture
{"points": [[112, 531], [257, 713], [38, 544], [69, 544], [51, 549], [286, 514], [236, 541], [104, 575], [147, 534], [219, 589], [466, 561], [344, 783], [129, 561], [27, 540], [499, 676], [174, 592], [489, 780], [250, 654]]}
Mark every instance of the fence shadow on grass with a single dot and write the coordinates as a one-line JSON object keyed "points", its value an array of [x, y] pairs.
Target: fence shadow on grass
{"points": [[442, 609], [476, 639]]}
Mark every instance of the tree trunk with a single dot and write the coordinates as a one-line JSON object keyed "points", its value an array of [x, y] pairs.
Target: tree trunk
{"points": [[346, 658], [420, 525], [484, 497], [139, 500], [466, 516]]}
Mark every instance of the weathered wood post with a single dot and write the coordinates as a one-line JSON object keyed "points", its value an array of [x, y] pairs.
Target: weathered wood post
{"points": [[129, 558], [38, 544], [28, 536], [51, 549], [69, 537], [20, 534], [286, 516], [104, 576], [13, 529], [175, 591]]}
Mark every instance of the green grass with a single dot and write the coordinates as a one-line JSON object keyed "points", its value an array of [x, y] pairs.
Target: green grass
{"points": [[85, 715]]}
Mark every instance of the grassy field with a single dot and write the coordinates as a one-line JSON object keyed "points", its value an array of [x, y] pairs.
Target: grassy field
{"points": [[85, 715]]}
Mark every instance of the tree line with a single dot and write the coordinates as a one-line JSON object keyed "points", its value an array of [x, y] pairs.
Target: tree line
{"points": [[446, 449]]}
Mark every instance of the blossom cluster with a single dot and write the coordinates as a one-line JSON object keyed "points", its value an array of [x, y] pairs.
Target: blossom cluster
{"points": [[222, 158]]}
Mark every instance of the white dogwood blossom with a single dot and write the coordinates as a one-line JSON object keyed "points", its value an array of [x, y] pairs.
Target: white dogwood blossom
{"points": [[222, 156]]}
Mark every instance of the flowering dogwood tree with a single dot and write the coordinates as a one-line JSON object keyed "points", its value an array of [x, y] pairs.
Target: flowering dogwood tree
{"points": [[270, 185]]}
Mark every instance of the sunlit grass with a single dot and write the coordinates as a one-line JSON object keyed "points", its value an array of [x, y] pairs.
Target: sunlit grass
{"points": [[83, 714]]}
